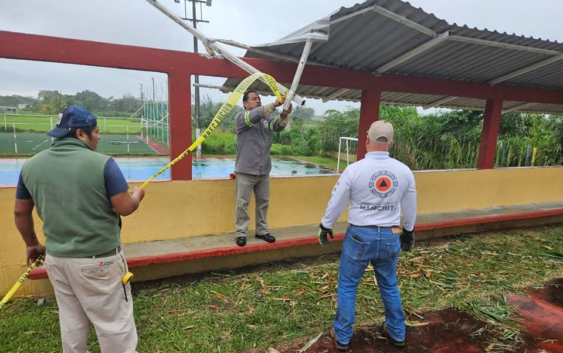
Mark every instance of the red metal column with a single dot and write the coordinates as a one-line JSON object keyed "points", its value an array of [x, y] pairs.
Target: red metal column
{"points": [[487, 150], [369, 112], [180, 120]]}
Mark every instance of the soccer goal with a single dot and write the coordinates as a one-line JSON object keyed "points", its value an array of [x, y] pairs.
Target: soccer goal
{"points": [[350, 142]]}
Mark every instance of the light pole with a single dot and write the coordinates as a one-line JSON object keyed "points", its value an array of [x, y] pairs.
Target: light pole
{"points": [[195, 20]]}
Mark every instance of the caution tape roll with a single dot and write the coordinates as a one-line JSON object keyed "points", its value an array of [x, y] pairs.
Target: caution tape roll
{"points": [[23, 277], [221, 114]]}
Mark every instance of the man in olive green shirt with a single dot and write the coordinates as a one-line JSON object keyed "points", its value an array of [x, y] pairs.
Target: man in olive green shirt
{"points": [[80, 195]]}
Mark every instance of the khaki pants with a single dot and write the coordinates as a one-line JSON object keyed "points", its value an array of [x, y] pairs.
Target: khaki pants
{"points": [[245, 184], [90, 290]]}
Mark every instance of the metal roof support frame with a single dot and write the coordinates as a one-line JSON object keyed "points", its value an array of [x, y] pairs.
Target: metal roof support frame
{"points": [[397, 61], [265, 52], [336, 94], [395, 17], [502, 45], [519, 107], [491, 124], [527, 69], [409, 55], [439, 102], [217, 48]]}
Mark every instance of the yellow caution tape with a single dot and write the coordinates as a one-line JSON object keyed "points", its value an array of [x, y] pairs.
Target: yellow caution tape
{"points": [[23, 277], [223, 111], [127, 278]]}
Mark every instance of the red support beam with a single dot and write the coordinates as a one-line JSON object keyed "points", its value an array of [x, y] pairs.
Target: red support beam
{"points": [[72, 51], [180, 120], [493, 112], [369, 112]]}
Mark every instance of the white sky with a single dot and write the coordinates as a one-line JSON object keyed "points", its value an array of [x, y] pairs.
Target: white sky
{"points": [[135, 22]]}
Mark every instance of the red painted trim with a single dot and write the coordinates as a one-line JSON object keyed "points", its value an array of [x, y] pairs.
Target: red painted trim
{"points": [[41, 273], [369, 112], [72, 51], [489, 219], [491, 124]]}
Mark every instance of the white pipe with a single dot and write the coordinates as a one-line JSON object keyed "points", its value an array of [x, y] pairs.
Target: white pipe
{"points": [[127, 129], [217, 48], [347, 153], [339, 146], [298, 73], [15, 140]]}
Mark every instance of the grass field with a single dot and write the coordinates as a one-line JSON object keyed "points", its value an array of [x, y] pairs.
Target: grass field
{"points": [[43, 124], [235, 311], [35, 142]]}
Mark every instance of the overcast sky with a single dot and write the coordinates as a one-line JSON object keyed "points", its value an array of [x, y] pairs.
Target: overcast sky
{"points": [[135, 22]]}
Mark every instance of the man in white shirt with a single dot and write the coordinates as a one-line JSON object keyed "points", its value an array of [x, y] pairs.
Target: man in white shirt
{"points": [[377, 187]]}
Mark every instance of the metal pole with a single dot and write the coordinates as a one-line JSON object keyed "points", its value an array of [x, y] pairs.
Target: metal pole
{"points": [[15, 139], [52, 138], [196, 80], [217, 48], [298, 73], [338, 163], [147, 130], [142, 117], [153, 91], [127, 128], [347, 153]]}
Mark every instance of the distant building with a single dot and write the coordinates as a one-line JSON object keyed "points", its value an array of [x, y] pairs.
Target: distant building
{"points": [[9, 110], [23, 105]]}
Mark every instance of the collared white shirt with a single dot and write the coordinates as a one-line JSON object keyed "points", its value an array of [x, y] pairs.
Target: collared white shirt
{"points": [[377, 187]]}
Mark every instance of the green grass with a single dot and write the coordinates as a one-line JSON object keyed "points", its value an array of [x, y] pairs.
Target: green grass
{"points": [[233, 311], [43, 124]]}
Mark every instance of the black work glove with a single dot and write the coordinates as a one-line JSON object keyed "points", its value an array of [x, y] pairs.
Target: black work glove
{"points": [[323, 235], [407, 240]]}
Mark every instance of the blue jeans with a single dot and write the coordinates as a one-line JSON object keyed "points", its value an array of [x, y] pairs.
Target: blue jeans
{"points": [[381, 248]]}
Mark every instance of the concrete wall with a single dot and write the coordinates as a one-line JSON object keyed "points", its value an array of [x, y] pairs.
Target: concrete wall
{"points": [[192, 208]]}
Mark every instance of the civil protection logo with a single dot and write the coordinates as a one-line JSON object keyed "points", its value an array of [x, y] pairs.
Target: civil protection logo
{"points": [[383, 184]]}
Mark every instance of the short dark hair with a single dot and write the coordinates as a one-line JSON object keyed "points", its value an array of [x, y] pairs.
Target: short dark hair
{"points": [[245, 97], [87, 130]]}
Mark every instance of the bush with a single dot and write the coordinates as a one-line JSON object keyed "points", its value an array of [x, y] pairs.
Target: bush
{"points": [[220, 143]]}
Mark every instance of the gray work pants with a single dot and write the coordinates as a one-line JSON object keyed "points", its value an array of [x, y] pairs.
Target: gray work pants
{"points": [[245, 184]]}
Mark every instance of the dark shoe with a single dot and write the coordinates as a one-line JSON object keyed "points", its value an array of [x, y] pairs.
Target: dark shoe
{"points": [[340, 346], [241, 241], [266, 237], [398, 344]]}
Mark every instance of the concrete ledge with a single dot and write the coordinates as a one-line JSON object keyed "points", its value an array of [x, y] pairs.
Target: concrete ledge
{"points": [[214, 258]]}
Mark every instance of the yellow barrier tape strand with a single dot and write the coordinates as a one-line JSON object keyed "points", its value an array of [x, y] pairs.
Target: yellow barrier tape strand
{"points": [[221, 114], [223, 111], [18, 284]]}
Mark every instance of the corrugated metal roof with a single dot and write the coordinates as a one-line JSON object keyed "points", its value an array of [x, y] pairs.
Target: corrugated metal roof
{"points": [[369, 35]]}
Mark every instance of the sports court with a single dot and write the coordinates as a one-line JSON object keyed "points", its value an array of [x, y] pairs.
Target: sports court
{"points": [[33, 142]]}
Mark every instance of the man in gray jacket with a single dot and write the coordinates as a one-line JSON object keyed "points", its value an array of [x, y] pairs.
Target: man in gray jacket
{"points": [[254, 129]]}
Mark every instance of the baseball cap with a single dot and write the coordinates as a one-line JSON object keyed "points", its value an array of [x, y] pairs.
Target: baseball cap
{"points": [[70, 118], [381, 132]]}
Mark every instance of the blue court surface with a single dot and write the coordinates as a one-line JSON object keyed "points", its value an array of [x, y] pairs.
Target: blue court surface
{"points": [[140, 169]]}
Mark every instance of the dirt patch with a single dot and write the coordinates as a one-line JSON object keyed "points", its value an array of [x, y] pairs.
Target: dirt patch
{"points": [[441, 331], [551, 293], [543, 317]]}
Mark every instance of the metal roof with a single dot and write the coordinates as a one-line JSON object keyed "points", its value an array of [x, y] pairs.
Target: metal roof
{"points": [[392, 36]]}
